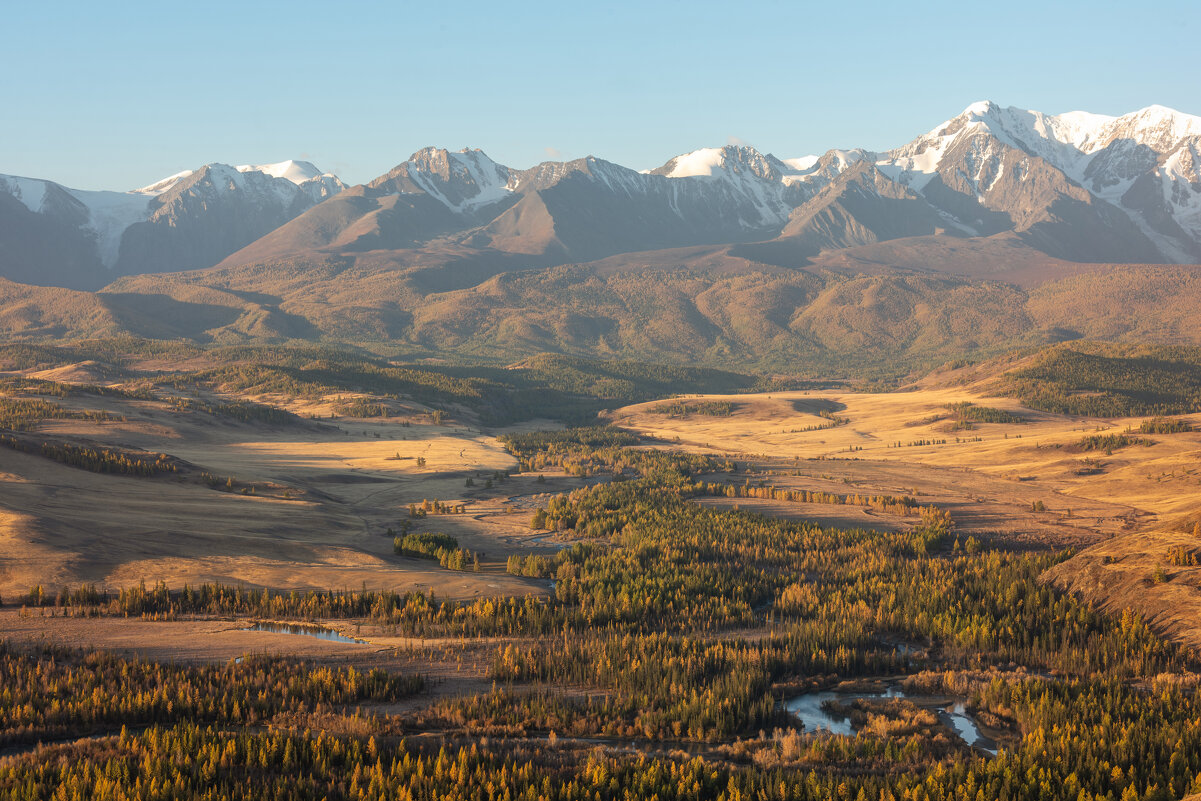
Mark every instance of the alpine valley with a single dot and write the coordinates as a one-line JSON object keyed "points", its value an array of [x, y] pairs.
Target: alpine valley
{"points": [[861, 476]]}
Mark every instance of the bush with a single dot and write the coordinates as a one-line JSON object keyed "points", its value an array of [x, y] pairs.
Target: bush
{"points": [[1111, 442], [442, 547]]}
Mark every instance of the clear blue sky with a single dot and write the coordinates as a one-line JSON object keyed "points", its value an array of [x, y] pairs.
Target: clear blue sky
{"points": [[115, 95]]}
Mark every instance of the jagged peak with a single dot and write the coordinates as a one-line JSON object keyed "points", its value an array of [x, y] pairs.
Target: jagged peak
{"points": [[1157, 125], [433, 157], [461, 180], [547, 173]]}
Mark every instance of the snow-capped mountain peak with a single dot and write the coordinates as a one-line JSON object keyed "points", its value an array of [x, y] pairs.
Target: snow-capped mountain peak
{"points": [[463, 180], [711, 162], [1064, 140], [1144, 163], [124, 231], [759, 185], [295, 171], [699, 162], [1157, 118], [814, 172], [803, 163], [1078, 184], [162, 185], [1157, 127]]}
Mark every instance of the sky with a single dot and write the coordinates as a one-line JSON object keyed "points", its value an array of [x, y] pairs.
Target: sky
{"points": [[118, 95]]}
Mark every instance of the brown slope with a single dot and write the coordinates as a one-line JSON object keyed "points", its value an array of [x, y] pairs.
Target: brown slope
{"points": [[1003, 257], [1149, 303], [354, 221], [711, 259], [527, 227], [38, 313], [916, 313], [703, 304], [588, 209]]}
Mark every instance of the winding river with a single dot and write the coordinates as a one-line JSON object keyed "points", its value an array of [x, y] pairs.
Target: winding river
{"points": [[810, 709]]}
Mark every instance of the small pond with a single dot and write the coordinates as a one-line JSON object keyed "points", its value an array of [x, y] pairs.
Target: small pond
{"points": [[304, 631]]}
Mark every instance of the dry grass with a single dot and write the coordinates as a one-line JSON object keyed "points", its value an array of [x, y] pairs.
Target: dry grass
{"points": [[338, 487], [1033, 459]]}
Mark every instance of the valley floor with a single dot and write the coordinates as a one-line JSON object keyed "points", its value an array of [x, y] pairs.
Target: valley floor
{"points": [[889, 586], [309, 506]]}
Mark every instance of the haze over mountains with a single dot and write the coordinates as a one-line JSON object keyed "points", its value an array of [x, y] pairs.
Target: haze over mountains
{"points": [[999, 227]]}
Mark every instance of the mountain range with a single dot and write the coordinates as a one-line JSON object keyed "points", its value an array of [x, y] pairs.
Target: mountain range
{"points": [[1077, 186], [999, 227]]}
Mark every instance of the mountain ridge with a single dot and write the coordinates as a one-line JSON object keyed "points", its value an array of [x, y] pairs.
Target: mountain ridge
{"points": [[986, 171], [1077, 186]]}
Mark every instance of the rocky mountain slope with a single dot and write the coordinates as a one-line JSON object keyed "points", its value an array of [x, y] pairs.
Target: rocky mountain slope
{"points": [[1076, 186]]}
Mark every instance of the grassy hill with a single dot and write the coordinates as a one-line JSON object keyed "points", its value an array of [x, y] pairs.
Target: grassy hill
{"points": [[1108, 380], [565, 388]]}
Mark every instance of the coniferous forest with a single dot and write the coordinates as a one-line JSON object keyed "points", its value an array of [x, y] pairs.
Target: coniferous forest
{"points": [[661, 666]]}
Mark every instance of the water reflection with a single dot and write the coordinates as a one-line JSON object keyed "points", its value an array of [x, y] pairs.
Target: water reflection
{"points": [[967, 729], [810, 708], [304, 631]]}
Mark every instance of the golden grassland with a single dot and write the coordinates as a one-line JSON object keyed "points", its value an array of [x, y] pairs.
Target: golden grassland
{"points": [[309, 506], [1163, 479]]}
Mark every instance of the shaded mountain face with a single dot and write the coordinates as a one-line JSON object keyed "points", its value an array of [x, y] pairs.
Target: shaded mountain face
{"points": [[52, 235], [552, 213]]}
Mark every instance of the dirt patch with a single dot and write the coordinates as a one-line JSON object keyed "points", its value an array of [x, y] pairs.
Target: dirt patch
{"points": [[1136, 572]]}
